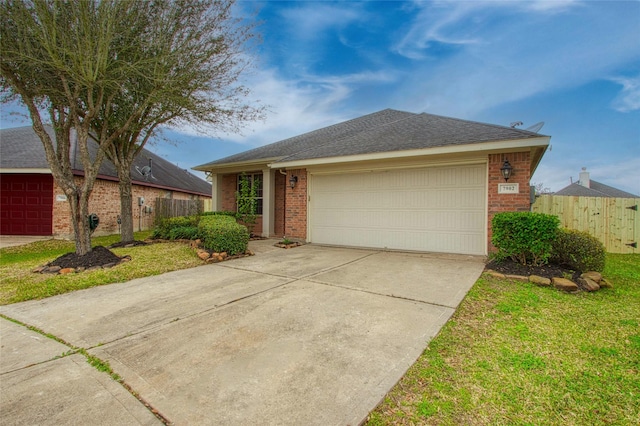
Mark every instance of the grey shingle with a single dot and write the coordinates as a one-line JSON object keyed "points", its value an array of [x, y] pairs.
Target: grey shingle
{"points": [[313, 139], [596, 189], [384, 131], [21, 148]]}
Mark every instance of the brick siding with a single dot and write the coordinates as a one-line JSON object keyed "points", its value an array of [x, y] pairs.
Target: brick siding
{"points": [[296, 206], [105, 202], [520, 161]]}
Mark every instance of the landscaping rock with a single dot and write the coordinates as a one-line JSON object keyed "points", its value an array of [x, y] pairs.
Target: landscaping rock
{"points": [[588, 284], [592, 275], [496, 274], [65, 271], [249, 253], [51, 270], [39, 269], [204, 255], [565, 285], [109, 265], [605, 284], [538, 280], [517, 277], [94, 268], [224, 254]]}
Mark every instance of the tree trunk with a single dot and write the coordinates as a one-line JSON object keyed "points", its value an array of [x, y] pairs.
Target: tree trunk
{"points": [[79, 204], [126, 204]]}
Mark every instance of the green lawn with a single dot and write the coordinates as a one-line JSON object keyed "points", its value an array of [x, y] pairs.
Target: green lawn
{"points": [[518, 354], [18, 283]]}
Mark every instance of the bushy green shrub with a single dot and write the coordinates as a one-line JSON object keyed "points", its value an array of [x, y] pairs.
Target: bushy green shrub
{"points": [[222, 233], [165, 227], [578, 250], [524, 237], [221, 213], [184, 233]]}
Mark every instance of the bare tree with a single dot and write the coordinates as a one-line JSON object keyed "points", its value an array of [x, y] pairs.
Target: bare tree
{"points": [[197, 52], [114, 69], [60, 59]]}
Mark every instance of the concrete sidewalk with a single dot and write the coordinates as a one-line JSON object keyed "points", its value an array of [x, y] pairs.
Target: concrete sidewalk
{"points": [[310, 335]]}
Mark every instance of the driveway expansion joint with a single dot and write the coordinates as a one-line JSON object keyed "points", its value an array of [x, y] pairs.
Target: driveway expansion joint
{"points": [[95, 362]]}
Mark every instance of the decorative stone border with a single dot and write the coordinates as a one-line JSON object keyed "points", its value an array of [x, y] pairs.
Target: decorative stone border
{"points": [[589, 281]]}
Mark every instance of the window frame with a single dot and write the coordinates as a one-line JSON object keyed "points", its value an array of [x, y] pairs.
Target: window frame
{"points": [[259, 191]]}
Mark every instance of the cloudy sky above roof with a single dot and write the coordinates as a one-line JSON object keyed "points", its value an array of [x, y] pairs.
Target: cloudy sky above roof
{"points": [[574, 65]]}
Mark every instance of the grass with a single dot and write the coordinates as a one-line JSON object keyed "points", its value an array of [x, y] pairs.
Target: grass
{"points": [[518, 354], [512, 354], [18, 283]]}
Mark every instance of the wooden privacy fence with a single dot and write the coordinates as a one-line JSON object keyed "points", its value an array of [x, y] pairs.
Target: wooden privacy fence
{"points": [[168, 207], [614, 221]]}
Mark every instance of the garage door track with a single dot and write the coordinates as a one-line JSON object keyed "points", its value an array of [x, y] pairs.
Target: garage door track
{"points": [[310, 335]]}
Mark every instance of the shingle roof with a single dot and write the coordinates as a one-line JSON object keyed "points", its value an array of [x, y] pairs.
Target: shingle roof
{"points": [[384, 131], [596, 189], [21, 148]]}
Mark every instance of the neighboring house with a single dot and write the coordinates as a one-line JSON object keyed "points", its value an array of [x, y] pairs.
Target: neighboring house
{"points": [[32, 204], [390, 179], [585, 187]]}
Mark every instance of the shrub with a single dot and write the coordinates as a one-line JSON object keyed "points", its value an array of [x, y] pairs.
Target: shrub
{"points": [[164, 228], [222, 233], [578, 250], [524, 237], [184, 232], [221, 213]]}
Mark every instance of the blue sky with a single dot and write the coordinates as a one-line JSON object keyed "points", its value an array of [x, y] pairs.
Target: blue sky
{"points": [[573, 64]]}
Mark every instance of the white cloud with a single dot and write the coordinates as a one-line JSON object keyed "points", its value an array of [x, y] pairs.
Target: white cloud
{"points": [[519, 53], [629, 97], [297, 106]]}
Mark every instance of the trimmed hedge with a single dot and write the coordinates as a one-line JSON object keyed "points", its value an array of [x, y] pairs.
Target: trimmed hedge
{"points": [[174, 228], [221, 213], [524, 237], [578, 250], [222, 233]]}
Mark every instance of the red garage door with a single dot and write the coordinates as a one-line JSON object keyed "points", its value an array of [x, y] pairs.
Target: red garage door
{"points": [[26, 204]]}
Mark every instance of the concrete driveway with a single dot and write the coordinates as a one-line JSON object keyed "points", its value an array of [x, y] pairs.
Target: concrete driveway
{"points": [[310, 335]]}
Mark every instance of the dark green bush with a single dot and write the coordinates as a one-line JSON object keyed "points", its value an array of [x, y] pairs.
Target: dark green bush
{"points": [[184, 233], [524, 237], [222, 233], [221, 213], [578, 250], [164, 228]]}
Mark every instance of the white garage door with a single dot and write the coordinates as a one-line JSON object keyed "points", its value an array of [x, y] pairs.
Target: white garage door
{"points": [[438, 209]]}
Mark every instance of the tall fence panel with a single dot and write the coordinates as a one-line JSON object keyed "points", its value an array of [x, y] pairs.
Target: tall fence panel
{"points": [[613, 221], [168, 207]]}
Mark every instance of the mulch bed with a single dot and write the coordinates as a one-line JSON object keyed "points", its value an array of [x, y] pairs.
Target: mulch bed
{"points": [[98, 256], [509, 267], [129, 244]]}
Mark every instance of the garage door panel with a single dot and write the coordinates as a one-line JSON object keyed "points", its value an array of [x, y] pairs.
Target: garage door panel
{"points": [[27, 204], [432, 209]]}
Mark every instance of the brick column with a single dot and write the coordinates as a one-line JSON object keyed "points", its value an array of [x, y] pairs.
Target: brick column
{"points": [[521, 163], [296, 206]]}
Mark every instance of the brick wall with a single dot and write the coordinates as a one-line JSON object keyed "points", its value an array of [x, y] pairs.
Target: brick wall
{"points": [[105, 202], [520, 161], [296, 206], [281, 186]]}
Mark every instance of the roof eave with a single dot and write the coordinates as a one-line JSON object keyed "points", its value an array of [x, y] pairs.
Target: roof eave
{"points": [[235, 166], [537, 144]]}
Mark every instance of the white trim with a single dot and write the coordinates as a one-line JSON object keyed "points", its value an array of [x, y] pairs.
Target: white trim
{"points": [[27, 171], [239, 166], [486, 147]]}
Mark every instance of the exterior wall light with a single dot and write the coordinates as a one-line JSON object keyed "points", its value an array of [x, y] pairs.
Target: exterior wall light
{"points": [[292, 181], [506, 170]]}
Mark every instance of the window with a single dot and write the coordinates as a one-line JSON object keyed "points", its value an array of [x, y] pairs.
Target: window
{"points": [[254, 178]]}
